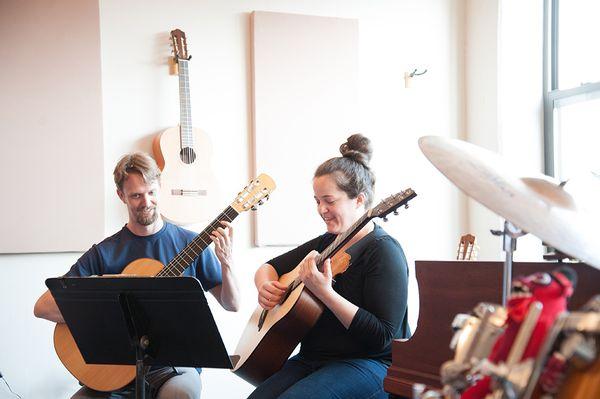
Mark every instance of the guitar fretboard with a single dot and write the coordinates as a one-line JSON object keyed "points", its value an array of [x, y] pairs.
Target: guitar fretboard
{"points": [[184, 259], [342, 239], [185, 107], [336, 245]]}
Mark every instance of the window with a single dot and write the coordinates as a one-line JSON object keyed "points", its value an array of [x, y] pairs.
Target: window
{"points": [[571, 88]]}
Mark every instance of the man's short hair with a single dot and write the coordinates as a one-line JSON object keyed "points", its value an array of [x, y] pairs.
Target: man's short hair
{"points": [[137, 162]]}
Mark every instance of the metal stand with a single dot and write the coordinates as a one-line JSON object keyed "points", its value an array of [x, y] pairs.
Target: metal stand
{"points": [[137, 334], [509, 245]]}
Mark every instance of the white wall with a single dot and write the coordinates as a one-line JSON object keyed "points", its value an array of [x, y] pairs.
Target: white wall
{"points": [[503, 67], [140, 99], [520, 98]]}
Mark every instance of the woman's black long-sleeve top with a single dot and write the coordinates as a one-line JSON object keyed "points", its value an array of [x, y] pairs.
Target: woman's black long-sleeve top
{"points": [[376, 281]]}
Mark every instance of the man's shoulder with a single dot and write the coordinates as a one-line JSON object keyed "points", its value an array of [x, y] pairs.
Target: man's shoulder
{"points": [[115, 238], [179, 232]]}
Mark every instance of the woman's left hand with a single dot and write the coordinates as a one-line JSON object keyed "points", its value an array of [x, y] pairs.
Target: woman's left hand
{"points": [[317, 282], [223, 239]]}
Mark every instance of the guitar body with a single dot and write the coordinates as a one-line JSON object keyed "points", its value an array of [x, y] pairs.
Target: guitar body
{"points": [[188, 190], [261, 353], [101, 377]]}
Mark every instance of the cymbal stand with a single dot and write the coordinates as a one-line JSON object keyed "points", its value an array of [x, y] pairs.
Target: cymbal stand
{"points": [[509, 244]]}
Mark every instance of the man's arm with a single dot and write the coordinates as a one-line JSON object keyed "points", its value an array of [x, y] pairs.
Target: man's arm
{"points": [[46, 308], [227, 293]]}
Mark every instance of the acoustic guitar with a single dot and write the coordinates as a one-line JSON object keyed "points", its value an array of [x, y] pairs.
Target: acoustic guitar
{"points": [[107, 378], [183, 153], [271, 335]]}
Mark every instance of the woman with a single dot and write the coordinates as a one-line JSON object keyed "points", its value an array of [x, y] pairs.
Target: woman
{"points": [[347, 353]]}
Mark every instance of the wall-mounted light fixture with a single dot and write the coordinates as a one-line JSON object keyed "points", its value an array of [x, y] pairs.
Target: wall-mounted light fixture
{"points": [[408, 76]]}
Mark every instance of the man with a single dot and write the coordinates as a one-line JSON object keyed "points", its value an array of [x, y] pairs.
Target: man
{"points": [[146, 235]]}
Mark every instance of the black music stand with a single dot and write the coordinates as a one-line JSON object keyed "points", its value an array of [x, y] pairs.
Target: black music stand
{"points": [[140, 321]]}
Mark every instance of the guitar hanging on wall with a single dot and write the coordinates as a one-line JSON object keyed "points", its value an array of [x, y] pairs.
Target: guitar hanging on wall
{"points": [[188, 185]]}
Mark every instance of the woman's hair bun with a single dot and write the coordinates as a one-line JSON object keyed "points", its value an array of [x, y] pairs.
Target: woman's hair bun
{"points": [[357, 148]]}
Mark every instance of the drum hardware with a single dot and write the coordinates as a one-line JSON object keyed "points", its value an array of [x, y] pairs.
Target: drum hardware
{"points": [[476, 334], [511, 376], [473, 340], [418, 392], [509, 245], [574, 338]]}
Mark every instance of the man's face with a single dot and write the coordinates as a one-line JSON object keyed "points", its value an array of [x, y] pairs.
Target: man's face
{"points": [[141, 199]]}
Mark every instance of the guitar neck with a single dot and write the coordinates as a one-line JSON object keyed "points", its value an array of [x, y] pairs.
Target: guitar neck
{"points": [[184, 259], [185, 107], [341, 240]]}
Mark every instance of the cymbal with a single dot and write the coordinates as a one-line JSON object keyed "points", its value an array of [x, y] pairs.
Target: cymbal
{"points": [[536, 204]]}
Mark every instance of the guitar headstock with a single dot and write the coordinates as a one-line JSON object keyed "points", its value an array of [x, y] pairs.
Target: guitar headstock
{"points": [[255, 193], [392, 203], [179, 43], [467, 248]]}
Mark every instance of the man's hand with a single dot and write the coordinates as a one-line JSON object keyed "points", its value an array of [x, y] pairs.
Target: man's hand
{"points": [[223, 239]]}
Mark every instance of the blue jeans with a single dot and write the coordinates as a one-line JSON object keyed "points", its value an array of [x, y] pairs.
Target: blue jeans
{"points": [[304, 379]]}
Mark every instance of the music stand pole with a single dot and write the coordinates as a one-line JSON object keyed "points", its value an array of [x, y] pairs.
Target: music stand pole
{"points": [[139, 339], [509, 245]]}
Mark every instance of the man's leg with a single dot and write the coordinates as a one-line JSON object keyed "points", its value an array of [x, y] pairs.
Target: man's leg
{"points": [[186, 385], [87, 393]]}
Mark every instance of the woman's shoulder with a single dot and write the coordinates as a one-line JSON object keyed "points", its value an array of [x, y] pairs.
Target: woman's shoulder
{"points": [[382, 238], [385, 247]]}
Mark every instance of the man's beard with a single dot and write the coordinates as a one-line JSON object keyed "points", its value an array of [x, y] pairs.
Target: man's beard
{"points": [[146, 218]]}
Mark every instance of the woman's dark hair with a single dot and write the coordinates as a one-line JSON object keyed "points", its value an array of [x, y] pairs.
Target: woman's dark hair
{"points": [[351, 171]]}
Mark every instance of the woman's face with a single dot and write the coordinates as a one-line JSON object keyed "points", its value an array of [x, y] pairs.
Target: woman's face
{"points": [[337, 210]]}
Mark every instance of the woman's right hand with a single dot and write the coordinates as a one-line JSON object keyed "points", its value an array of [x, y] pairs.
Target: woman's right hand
{"points": [[270, 293]]}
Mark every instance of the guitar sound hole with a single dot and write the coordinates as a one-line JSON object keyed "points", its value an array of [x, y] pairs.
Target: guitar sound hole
{"points": [[187, 155]]}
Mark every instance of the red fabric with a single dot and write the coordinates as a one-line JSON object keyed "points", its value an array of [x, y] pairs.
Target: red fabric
{"points": [[553, 297]]}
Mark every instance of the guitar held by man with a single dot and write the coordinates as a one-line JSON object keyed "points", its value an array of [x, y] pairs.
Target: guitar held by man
{"points": [[141, 248]]}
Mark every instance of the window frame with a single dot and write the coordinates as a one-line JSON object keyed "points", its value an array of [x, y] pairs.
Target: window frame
{"points": [[553, 96]]}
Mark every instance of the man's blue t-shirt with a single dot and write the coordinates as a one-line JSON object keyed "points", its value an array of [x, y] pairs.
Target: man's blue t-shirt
{"points": [[114, 253]]}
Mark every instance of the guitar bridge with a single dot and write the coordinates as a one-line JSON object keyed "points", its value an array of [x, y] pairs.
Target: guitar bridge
{"points": [[188, 193]]}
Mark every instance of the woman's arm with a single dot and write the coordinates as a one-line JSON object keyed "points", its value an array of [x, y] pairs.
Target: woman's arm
{"points": [[270, 290]]}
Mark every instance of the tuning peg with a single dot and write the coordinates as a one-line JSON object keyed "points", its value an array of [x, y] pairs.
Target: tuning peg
{"points": [[267, 197], [396, 212], [260, 202], [406, 206], [385, 219], [253, 207]]}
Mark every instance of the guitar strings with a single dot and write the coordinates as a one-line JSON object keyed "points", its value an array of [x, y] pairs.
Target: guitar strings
{"points": [[199, 243], [187, 138]]}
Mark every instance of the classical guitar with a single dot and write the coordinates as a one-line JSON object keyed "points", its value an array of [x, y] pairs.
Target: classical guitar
{"points": [[271, 335], [111, 377], [188, 185]]}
